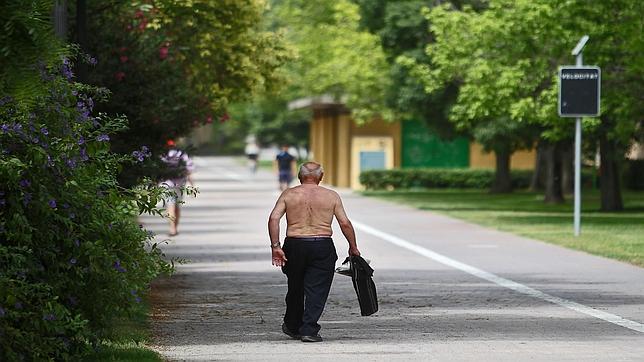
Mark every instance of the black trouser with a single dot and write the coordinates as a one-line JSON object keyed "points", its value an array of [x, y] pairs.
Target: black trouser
{"points": [[309, 267]]}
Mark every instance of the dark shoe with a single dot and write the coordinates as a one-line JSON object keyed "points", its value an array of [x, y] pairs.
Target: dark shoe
{"points": [[315, 338], [289, 333]]}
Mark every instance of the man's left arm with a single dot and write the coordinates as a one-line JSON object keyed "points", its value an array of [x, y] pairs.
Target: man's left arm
{"points": [[279, 259]]}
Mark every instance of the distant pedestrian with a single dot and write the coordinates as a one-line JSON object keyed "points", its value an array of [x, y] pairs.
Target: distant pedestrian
{"points": [[285, 166], [252, 153], [182, 166], [308, 257]]}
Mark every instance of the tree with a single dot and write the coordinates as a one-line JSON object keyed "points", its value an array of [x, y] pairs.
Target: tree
{"points": [[173, 65], [402, 29], [471, 51], [505, 59], [334, 57]]}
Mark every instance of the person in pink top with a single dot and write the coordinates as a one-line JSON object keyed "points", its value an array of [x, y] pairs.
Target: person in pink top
{"points": [[181, 163]]}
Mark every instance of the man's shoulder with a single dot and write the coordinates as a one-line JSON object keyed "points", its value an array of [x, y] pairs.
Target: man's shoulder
{"points": [[329, 191]]}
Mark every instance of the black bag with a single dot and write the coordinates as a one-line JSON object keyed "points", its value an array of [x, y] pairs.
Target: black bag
{"points": [[361, 276]]}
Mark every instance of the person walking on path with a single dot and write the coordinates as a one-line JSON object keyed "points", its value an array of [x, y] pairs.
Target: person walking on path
{"points": [[252, 152], [308, 256], [181, 164], [285, 166]]}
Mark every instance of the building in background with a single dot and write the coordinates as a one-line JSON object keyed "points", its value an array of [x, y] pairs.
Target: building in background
{"points": [[346, 148]]}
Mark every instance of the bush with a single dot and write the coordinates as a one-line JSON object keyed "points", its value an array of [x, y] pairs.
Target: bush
{"points": [[443, 178], [72, 256]]}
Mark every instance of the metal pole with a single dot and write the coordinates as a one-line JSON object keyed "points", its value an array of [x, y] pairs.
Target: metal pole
{"points": [[577, 221]]}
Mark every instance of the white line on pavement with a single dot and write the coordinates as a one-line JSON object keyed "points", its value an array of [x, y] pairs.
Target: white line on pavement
{"points": [[608, 317]]}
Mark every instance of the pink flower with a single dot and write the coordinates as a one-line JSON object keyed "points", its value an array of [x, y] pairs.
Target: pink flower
{"points": [[224, 118], [119, 76], [209, 120], [163, 52], [123, 58]]}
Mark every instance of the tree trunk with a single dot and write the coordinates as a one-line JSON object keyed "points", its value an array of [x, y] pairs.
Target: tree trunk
{"points": [[610, 188], [502, 178], [538, 177], [554, 193], [568, 168], [81, 38], [60, 18]]}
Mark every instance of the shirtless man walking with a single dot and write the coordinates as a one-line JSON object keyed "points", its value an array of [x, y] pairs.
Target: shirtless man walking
{"points": [[308, 256]]}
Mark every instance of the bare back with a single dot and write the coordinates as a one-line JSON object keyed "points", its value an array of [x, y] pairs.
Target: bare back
{"points": [[310, 210]]}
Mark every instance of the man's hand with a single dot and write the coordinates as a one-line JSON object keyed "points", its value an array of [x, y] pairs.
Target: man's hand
{"points": [[279, 259], [354, 251]]}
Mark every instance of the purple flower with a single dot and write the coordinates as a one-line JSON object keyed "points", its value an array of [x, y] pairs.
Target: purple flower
{"points": [[118, 267], [5, 128], [25, 183], [72, 261], [65, 205], [103, 138], [26, 199], [66, 69], [142, 154], [52, 203], [18, 305], [132, 291], [72, 215], [44, 130], [76, 242], [92, 61], [3, 202], [50, 162], [137, 299], [83, 155], [2, 312], [71, 163], [81, 140], [49, 317], [4, 100]]}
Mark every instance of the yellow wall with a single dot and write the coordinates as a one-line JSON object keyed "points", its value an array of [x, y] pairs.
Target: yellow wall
{"points": [[521, 160], [331, 135]]}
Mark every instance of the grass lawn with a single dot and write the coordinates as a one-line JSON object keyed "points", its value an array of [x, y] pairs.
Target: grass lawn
{"points": [[126, 341], [613, 235]]}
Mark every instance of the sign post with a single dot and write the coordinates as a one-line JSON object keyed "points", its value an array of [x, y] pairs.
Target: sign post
{"points": [[579, 95]]}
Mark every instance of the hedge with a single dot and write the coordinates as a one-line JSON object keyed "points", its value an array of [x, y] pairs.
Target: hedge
{"points": [[444, 178]]}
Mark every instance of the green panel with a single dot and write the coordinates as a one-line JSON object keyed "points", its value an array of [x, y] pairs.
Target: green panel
{"points": [[422, 148]]}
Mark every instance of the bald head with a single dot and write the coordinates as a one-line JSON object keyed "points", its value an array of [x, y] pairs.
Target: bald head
{"points": [[310, 171]]}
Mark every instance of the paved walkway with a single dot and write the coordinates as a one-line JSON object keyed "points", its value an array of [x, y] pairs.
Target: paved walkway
{"points": [[448, 290]]}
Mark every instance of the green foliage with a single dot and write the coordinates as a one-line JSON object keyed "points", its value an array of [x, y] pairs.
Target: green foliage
{"points": [[436, 178], [26, 39], [403, 31], [173, 66], [73, 257], [505, 60], [444, 178]]}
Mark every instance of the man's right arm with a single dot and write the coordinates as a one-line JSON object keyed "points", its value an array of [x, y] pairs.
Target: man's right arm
{"points": [[279, 259], [346, 227]]}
